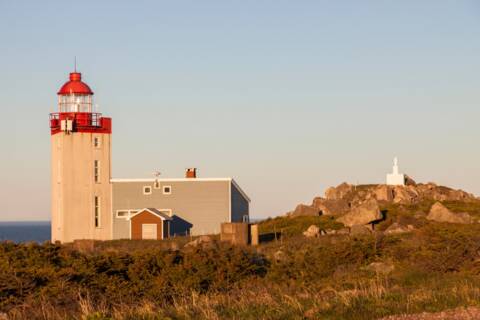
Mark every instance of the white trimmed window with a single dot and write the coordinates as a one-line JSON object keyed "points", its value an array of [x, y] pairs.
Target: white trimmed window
{"points": [[122, 214], [147, 190], [167, 189], [125, 213], [96, 171], [97, 211]]}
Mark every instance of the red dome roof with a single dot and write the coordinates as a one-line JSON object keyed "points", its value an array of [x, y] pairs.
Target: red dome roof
{"points": [[75, 85]]}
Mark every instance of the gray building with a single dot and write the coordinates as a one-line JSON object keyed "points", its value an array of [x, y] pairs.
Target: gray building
{"points": [[196, 205]]}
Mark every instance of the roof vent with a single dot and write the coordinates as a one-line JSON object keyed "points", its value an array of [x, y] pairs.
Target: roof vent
{"points": [[191, 173]]}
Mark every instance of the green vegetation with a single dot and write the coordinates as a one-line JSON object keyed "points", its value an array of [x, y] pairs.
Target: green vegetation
{"points": [[287, 227], [436, 267], [471, 207]]}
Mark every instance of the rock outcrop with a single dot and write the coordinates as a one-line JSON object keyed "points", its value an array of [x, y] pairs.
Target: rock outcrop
{"points": [[438, 212], [312, 232], [409, 181], [304, 210], [339, 192], [383, 193], [363, 214], [330, 207], [350, 202], [408, 194], [405, 195], [439, 193]]}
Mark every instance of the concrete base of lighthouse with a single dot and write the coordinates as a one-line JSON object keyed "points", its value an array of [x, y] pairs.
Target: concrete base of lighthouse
{"points": [[77, 195]]}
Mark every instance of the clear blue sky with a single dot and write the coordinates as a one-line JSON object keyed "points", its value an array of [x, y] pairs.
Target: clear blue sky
{"points": [[287, 97]]}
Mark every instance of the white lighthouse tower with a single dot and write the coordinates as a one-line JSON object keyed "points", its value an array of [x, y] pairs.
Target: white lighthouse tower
{"points": [[80, 166]]}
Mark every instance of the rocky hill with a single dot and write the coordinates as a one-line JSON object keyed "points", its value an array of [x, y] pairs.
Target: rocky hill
{"points": [[367, 205]]}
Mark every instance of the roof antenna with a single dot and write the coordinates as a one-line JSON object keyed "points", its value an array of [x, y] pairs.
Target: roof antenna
{"points": [[75, 64], [156, 184]]}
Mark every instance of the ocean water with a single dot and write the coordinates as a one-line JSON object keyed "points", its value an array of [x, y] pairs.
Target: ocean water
{"points": [[25, 231]]}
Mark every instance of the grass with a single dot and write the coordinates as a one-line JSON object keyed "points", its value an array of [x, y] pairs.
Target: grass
{"points": [[287, 226], [436, 267], [471, 207]]}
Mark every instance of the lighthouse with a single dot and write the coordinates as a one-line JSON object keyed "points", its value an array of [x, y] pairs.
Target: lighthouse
{"points": [[80, 166]]}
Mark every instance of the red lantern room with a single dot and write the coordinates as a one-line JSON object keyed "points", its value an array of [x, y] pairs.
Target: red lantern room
{"points": [[75, 112], [75, 95]]}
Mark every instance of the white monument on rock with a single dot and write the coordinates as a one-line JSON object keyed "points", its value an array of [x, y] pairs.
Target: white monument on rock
{"points": [[395, 178]]}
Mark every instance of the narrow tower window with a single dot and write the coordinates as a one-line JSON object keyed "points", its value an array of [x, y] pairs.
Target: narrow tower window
{"points": [[96, 170], [96, 142], [97, 212]]}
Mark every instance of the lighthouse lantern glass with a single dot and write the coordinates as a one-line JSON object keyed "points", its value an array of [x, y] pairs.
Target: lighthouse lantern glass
{"points": [[75, 103]]}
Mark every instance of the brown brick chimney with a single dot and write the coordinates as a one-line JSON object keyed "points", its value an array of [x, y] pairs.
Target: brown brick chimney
{"points": [[191, 173]]}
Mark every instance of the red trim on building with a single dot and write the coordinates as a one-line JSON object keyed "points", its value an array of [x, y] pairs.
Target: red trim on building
{"points": [[81, 122]]}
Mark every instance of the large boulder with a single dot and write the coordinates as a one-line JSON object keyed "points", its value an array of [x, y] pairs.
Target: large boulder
{"points": [[336, 193], [304, 210], [312, 232], [409, 181], [438, 212], [383, 193], [330, 207], [365, 213]]}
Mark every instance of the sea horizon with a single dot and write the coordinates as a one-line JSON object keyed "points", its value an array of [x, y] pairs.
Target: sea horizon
{"points": [[25, 221], [25, 231]]}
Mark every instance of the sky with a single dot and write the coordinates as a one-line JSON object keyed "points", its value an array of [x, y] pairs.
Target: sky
{"points": [[286, 97]]}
